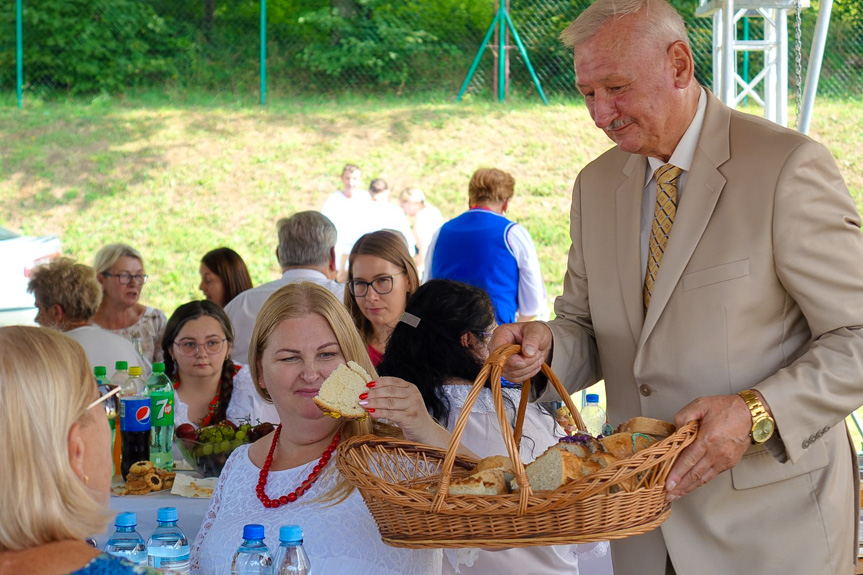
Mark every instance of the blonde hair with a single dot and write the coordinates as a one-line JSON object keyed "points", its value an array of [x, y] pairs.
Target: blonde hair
{"points": [[490, 185], [413, 195], [108, 256], [658, 22], [70, 285], [298, 300], [45, 387], [387, 245]]}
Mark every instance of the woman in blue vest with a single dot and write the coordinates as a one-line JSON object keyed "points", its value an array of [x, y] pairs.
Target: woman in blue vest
{"points": [[483, 248]]}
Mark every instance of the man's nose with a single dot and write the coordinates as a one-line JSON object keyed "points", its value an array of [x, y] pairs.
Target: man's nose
{"points": [[603, 111]]}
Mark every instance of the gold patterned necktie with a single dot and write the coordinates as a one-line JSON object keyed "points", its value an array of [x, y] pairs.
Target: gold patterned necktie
{"points": [[663, 219]]}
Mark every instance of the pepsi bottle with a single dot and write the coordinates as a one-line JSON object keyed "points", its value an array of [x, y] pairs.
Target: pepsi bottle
{"points": [[134, 430]]}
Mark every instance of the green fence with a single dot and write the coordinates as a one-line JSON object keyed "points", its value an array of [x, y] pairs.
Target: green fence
{"points": [[330, 46]]}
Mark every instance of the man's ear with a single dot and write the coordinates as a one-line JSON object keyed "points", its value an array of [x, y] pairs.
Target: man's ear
{"points": [[680, 58], [76, 450], [333, 258], [57, 314], [466, 339]]}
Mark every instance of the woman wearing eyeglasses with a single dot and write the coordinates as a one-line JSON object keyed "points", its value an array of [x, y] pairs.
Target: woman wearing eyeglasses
{"points": [[120, 271], [381, 277], [208, 386], [55, 467]]}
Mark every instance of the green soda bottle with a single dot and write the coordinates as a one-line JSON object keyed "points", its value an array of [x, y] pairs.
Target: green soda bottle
{"points": [[161, 393]]}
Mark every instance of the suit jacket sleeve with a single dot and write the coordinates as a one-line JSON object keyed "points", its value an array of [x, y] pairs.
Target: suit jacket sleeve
{"points": [[818, 253]]}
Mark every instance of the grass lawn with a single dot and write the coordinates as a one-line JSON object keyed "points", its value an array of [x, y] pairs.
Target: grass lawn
{"points": [[176, 176]]}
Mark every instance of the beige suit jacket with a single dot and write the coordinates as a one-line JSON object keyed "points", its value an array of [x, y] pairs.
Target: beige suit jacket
{"points": [[761, 286]]}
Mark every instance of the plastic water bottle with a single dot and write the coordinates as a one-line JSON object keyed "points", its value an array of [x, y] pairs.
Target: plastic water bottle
{"points": [[105, 386], [252, 557], [162, 424], [135, 384], [290, 558], [126, 542], [168, 548], [120, 375], [593, 415]]}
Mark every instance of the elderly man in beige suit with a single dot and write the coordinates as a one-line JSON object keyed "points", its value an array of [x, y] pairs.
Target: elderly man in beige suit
{"points": [[725, 288]]}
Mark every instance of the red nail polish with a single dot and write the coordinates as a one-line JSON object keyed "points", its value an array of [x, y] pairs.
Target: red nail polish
{"points": [[370, 409], [370, 384], [364, 396]]}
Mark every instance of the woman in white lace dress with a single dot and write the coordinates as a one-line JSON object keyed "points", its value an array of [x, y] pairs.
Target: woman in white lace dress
{"points": [[120, 271], [287, 477], [440, 346], [208, 386]]}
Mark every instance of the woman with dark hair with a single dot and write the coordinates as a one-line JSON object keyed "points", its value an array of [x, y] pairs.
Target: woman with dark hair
{"points": [[223, 276], [209, 386], [440, 345], [381, 277]]}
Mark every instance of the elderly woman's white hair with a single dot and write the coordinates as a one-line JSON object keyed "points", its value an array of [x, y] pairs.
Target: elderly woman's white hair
{"points": [[45, 388], [108, 256]]}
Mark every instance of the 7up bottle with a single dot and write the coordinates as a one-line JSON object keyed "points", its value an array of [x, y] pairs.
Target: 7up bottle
{"points": [[161, 393]]}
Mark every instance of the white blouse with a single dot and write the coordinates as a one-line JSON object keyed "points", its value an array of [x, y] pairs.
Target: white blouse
{"points": [[340, 539], [246, 404], [483, 436]]}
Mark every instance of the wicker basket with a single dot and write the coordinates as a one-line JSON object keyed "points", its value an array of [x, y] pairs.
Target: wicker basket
{"points": [[626, 498]]}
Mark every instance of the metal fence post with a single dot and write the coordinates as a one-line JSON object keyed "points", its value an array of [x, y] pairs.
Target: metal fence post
{"points": [[263, 52], [19, 51]]}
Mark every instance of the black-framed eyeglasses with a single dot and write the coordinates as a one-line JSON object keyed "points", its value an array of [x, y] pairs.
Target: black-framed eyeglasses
{"points": [[382, 285], [211, 346], [125, 277]]}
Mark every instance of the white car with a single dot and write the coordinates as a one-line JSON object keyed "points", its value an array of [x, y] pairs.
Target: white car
{"points": [[18, 256]]}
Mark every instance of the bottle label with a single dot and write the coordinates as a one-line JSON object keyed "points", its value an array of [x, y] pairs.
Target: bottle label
{"points": [[170, 558], [162, 404], [135, 413]]}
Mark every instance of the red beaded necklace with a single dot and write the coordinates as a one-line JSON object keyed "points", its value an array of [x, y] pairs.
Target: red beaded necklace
{"points": [[306, 484]]}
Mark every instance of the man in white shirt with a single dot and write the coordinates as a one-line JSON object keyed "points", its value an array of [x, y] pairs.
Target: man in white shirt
{"points": [[67, 295], [387, 216], [306, 252], [344, 208]]}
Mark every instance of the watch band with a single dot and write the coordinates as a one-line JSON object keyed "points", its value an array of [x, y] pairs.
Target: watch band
{"points": [[756, 408]]}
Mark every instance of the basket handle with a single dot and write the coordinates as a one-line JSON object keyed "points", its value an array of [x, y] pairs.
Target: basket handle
{"points": [[491, 371]]}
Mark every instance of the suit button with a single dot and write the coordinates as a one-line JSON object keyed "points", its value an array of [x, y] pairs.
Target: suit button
{"points": [[826, 429], [645, 390], [812, 439], [805, 443]]}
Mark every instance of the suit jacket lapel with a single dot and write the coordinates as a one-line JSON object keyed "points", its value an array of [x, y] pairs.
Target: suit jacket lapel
{"points": [[628, 207], [703, 185]]}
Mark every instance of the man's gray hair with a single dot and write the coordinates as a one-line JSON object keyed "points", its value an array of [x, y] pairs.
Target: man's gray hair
{"points": [[658, 21], [305, 239]]}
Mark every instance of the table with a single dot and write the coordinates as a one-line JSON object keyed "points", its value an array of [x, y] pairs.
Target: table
{"points": [[190, 511]]}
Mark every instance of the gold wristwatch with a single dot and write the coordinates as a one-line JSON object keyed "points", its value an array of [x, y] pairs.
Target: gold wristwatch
{"points": [[762, 424]]}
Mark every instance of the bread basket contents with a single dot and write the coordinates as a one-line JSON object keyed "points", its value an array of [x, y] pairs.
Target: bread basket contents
{"points": [[144, 477], [338, 396]]}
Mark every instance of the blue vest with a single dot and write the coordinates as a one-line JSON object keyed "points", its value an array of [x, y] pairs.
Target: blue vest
{"points": [[472, 248]]}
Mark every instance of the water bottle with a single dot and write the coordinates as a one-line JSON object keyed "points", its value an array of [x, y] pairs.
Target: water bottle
{"points": [[105, 386], [290, 557], [135, 384], [161, 393], [126, 542], [593, 415], [252, 557], [168, 548], [121, 374]]}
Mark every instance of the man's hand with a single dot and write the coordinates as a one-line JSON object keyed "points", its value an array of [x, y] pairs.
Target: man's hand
{"points": [[536, 345], [723, 438]]}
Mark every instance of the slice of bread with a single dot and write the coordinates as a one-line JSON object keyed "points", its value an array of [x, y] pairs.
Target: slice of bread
{"points": [[488, 482], [581, 444], [648, 426], [552, 469], [499, 462], [340, 392], [622, 445]]}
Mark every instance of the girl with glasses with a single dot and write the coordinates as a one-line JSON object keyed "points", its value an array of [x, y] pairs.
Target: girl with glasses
{"points": [[208, 386], [120, 272], [381, 277]]}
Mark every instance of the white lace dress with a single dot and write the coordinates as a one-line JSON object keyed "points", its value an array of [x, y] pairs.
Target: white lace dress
{"points": [[246, 404], [340, 539], [482, 435], [146, 332]]}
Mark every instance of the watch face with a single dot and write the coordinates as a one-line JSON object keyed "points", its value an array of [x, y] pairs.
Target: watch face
{"points": [[762, 430]]}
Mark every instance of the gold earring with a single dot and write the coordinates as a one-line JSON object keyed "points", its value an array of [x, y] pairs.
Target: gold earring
{"points": [[86, 480]]}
